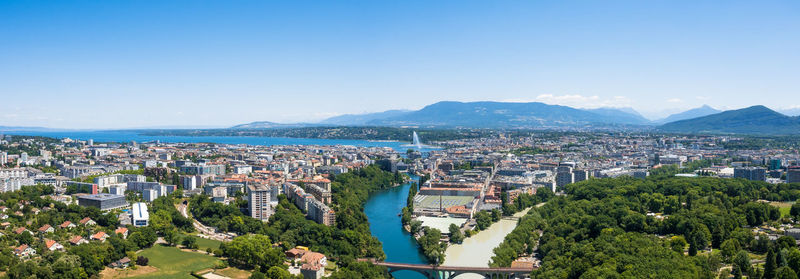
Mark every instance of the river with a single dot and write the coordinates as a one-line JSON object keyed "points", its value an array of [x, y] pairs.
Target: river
{"points": [[477, 250], [382, 209]]}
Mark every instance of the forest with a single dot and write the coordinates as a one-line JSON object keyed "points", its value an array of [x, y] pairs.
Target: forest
{"points": [[660, 227]]}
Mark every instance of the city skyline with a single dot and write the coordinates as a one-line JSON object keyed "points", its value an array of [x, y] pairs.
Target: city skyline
{"points": [[85, 65]]}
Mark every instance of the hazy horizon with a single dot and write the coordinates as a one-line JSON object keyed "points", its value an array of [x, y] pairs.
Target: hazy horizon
{"points": [[117, 65]]}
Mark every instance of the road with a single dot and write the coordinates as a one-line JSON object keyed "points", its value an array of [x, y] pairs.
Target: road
{"points": [[205, 231]]}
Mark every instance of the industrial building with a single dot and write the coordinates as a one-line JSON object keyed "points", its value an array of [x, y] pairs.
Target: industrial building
{"points": [[102, 201]]}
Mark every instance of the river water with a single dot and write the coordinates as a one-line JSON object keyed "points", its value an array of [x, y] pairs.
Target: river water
{"points": [[477, 250], [400, 247]]}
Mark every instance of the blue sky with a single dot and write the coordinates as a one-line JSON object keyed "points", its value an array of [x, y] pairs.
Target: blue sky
{"points": [[120, 64]]}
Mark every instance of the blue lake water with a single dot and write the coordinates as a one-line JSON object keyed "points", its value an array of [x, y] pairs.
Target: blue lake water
{"points": [[127, 136]]}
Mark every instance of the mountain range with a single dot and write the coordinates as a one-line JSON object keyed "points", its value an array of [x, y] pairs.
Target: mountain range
{"points": [[505, 115], [751, 120], [508, 115], [689, 114], [450, 114]]}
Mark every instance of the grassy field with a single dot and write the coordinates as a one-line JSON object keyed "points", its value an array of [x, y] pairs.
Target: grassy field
{"points": [[784, 207], [234, 273], [203, 243], [174, 263]]}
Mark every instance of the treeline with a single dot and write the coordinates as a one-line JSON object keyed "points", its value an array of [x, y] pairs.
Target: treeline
{"points": [[602, 229]]}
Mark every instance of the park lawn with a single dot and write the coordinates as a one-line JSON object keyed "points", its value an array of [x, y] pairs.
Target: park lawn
{"points": [[174, 263], [203, 243], [784, 207], [233, 272]]}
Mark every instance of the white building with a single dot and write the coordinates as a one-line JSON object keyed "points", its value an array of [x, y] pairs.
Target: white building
{"points": [[139, 215], [149, 195], [242, 169]]}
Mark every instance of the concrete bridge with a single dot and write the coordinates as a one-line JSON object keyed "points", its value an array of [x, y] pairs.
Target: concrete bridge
{"points": [[450, 272]]}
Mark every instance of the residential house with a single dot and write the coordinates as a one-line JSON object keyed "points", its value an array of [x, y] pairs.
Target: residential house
{"points": [[87, 222], [67, 225], [46, 229], [313, 265], [78, 240], [121, 263], [123, 231], [101, 236], [24, 251], [53, 245], [21, 230]]}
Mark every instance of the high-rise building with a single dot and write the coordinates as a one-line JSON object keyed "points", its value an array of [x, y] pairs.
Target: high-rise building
{"points": [[641, 174], [564, 178], [261, 201], [581, 175], [751, 173], [775, 164], [793, 175]]}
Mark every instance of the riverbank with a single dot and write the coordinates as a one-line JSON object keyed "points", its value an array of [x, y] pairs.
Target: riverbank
{"points": [[475, 251]]}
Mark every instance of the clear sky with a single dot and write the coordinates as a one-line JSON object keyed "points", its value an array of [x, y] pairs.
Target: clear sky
{"points": [[121, 64]]}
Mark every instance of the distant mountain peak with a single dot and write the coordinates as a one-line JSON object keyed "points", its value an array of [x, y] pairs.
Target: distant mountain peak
{"points": [[689, 114], [756, 119]]}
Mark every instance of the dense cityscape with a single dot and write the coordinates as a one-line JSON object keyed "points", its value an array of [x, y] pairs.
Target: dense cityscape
{"points": [[433, 139], [260, 209]]}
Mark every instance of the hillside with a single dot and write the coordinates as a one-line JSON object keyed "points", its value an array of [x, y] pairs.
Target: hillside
{"points": [[267, 125], [362, 119], [751, 120]]}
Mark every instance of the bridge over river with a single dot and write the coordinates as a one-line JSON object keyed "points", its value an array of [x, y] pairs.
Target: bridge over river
{"points": [[450, 272]]}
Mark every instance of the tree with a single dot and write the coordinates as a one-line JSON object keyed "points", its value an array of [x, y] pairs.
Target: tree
{"points": [[143, 238], [415, 225], [190, 242], [483, 219], [742, 262], [252, 251], [729, 249], [785, 273], [771, 264], [276, 272], [455, 234], [678, 243], [793, 259], [785, 242], [795, 211], [171, 237], [431, 247], [161, 220], [142, 261]]}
